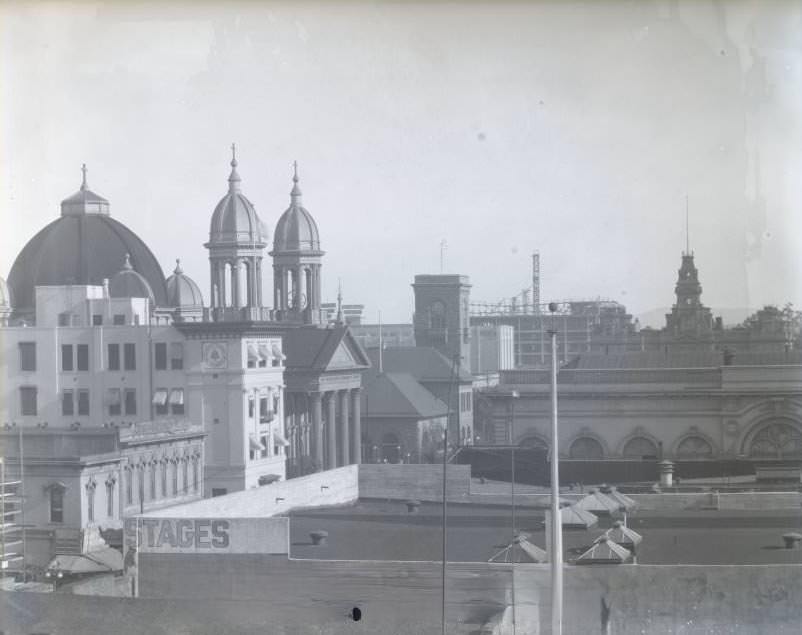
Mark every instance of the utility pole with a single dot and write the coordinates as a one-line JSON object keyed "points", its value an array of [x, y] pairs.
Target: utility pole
{"points": [[556, 520]]}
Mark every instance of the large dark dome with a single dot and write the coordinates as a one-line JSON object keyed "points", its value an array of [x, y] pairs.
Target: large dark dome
{"points": [[82, 247]]}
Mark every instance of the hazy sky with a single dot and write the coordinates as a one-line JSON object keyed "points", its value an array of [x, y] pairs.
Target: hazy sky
{"points": [[575, 129]]}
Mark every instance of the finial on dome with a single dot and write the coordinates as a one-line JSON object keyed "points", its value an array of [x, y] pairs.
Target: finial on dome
{"points": [[84, 185], [296, 191], [233, 179], [127, 264], [178, 269]]}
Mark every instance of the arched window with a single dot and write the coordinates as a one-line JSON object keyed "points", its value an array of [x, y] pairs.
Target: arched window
{"points": [[694, 447], [777, 440], [586, 448], [532, 442], [640, 448]]}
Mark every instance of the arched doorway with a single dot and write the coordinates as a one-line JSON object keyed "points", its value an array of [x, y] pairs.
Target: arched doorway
{"points": [[391, 448], [776, 440], [640, 448], [586, 448]]}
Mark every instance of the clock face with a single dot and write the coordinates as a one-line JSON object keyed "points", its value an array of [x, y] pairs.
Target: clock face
{"points": [[215, 354]]}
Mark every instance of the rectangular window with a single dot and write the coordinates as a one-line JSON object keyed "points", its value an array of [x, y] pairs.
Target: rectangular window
{"points": [[66, 357], [195, 462], [64, 319], [177, 401], [56, 504], [119, 320], [97, 319], [177, 356], [160, 355], [153, 482], [251, 408], [114, 399], [265, 414], [83, 403], [129, 487], [160, 401], [27, 356], [141, 483], [67, 403], [82, 356], [27, 400], [90, 503], [129, 356], [264, 441], [110, 499], [164, 479], [130, 401], [113, 361], [185, 476]]}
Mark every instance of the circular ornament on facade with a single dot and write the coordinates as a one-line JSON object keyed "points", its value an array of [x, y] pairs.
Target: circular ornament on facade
{"points": [[215, 355]]}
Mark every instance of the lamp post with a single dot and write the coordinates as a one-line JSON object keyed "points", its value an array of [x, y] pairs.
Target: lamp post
{"points": [[556, 520]]}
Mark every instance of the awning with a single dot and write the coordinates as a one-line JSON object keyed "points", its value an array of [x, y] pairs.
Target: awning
{"points": [[177, 397], [113, 397], [280, 440], [277, 352], [253, 353], [160, 397], [255, 444], [264, 352]]}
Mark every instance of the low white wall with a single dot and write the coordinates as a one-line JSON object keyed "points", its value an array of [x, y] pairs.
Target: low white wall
{"points": [[711, 500], [421, 482]]}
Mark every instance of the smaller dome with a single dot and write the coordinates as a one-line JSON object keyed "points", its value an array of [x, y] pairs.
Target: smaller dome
{"points": [[296, 230], [234, 220], [5, 295], [182, 290], [130, 284]]}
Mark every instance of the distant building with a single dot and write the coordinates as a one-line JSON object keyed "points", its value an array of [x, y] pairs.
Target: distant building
{"points": [[392, 335], [493, 348], [352, 313]]}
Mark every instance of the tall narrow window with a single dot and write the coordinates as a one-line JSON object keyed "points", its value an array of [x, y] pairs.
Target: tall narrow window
{"points": [[90, 501], [66, 357], [113, 361], [56, 504], [251, 408], [177, 356], [160, 356], [195, 462], [110, 498], [27, 356], [67, 403], [175, 478], [130, 401], [153, 481], [129, 486], [82, 356], [114, 400], [160, 401], [83, 403], [185, 475], [129, 356], [265, 414], [177, 401], [27, 399], [164, 477], [141, 483]]}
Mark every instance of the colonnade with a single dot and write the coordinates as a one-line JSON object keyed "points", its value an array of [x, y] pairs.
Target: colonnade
{"points": [[227, 284], [324, 429]]}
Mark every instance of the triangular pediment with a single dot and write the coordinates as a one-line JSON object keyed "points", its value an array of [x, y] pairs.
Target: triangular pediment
{"points": [[341, 358]]}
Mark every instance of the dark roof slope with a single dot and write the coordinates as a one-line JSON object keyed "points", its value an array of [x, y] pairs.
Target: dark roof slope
{"points": [[313, 348], [398, 395], [684, 359]]}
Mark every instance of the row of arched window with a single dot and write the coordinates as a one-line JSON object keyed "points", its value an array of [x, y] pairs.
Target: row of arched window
{"points": [[162, 478]]}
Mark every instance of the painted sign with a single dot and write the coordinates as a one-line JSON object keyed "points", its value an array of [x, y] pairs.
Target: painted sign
{"points": [[208, 535]]}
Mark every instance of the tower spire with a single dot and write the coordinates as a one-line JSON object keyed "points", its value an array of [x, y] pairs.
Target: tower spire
{"points": [[295, 194], [340, 301], [233, 179], [84, 185]]}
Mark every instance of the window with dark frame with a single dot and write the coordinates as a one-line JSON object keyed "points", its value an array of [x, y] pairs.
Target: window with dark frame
{"points": [[119, 320], [83, 403], [27, 397], [97, 319], [160, 355], [67, 403], [82, 357], [27, 356], [66, 358], [176, 356], [115, 401], [129, 356], [113, 361], [130, 401], [56, 504]]}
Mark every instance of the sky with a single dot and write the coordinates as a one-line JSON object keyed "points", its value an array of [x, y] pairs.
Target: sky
{"points": [[573, 129]]}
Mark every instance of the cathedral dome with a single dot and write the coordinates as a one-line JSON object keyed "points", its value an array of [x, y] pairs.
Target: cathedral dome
{"points": [[235, 220], [182, 290], [127, 283], [82, 247], [296, 230]]}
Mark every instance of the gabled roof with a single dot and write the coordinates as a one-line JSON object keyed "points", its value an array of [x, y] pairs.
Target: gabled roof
{"points": [[604, 551], [422, 362], [398, 395], [597, 502], [319, 349], [575, 517]]}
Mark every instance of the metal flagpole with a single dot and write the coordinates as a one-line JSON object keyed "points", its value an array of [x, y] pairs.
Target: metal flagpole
{"points": [[556, 520], [22, 502]]}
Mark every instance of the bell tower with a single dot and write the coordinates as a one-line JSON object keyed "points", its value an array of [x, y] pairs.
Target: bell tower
{"points": [[297, 263], [442, 318]]}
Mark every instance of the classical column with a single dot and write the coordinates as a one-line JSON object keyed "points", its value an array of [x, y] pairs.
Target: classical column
{"points": [[331, 425], [345, 437], [317, 425], [356, 431]]}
